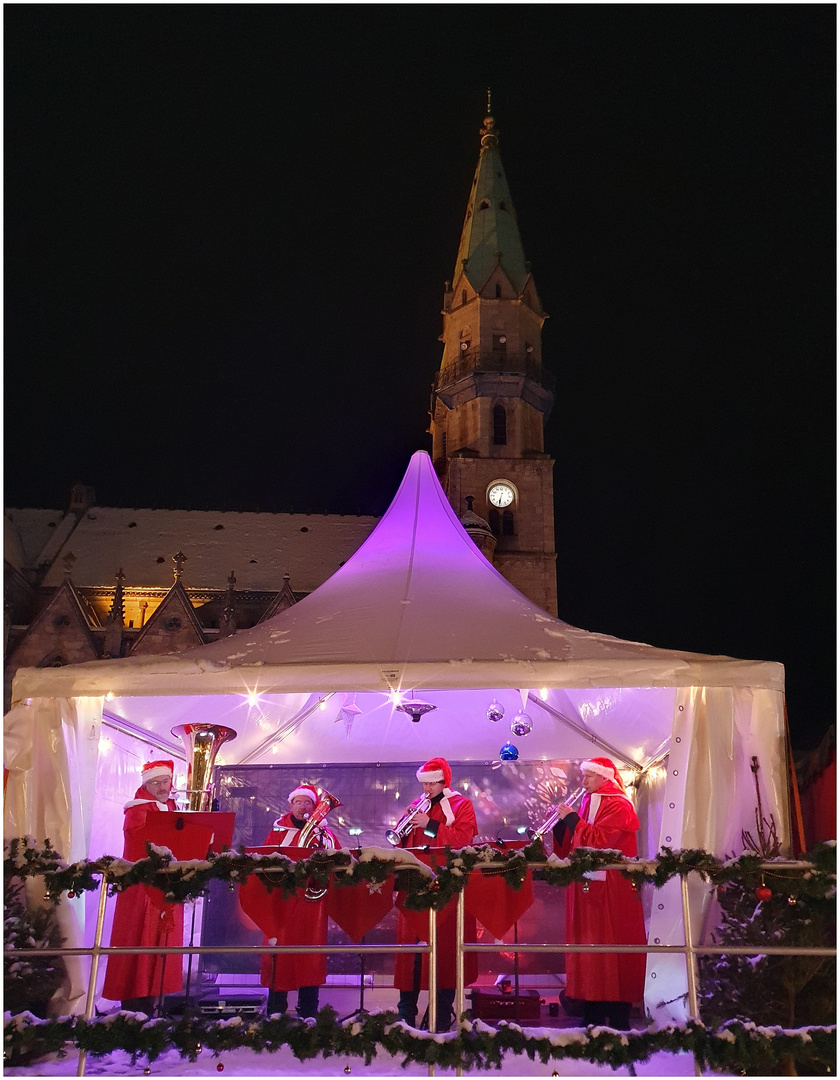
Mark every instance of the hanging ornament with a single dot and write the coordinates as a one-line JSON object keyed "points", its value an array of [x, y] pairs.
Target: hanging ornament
{"points": [[495, 711], [763, 893], [147, 1071], [220, 1067], [347, 713], [347, 1069], [71, 894], [509, 752], [792, 901], [521, 724]]}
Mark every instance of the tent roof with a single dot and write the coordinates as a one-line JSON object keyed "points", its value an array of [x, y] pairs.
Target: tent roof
{"points": [[417, 606]]}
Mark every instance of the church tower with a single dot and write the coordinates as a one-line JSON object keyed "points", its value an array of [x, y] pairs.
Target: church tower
{"points": [[491, 397]]}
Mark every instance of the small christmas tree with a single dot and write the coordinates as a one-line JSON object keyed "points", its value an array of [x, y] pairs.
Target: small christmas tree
{"points": [[30, 980], [791, 991]]}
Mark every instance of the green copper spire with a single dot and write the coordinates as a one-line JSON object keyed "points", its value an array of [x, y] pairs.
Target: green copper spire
{"points": [[491, 235]]}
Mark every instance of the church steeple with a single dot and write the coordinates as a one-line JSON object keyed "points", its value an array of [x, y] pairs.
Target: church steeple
{"points": [[490, 237], [491, 398]]}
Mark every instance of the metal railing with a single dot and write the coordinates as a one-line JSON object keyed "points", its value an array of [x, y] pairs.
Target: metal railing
{"points": [[474, 361], [688, 949]]}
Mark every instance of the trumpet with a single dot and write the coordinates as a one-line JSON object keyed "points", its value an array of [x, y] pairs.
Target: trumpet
{"points": [[554, 816], [404, 826]]}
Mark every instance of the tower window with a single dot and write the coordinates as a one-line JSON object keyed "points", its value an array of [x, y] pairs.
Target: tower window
{"points": [[484, 205], [502, 206], [499, 425], [493, 522], [507, 523], [498, 290], [463, 296]]}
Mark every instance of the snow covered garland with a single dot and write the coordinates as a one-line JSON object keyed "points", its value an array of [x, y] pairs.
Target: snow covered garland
{"points": [[475, 1045], [736, 1045]]}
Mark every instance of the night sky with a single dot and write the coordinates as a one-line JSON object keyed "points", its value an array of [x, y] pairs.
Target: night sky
{"points": [[228, 229]]}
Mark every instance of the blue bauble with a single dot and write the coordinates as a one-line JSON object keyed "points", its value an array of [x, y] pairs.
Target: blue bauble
{"points": [[509, 753]]}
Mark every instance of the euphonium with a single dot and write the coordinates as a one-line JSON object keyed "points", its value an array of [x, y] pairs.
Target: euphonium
{"points": [[309, 838], [554, 816], [404, 826], [308, 835], [202, 742]]}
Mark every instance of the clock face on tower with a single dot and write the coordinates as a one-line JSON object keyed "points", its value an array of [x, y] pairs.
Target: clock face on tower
{"points": [[500, 495]]}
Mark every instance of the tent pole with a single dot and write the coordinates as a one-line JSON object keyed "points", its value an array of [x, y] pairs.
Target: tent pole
{"points": [[797, 830], [94, 964], [611, 750]]}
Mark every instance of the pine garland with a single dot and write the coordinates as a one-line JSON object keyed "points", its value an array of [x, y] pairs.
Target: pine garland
{"points": [[474, 1045], [814, 876]]}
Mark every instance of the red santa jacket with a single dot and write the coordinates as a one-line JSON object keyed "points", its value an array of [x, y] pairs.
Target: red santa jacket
{"points": [[606, 909]]}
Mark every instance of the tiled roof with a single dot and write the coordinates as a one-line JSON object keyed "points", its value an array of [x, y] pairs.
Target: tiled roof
{"points": [[259, 547]]}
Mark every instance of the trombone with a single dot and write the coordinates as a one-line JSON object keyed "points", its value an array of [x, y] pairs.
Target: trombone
{"points": [[404, 826]]}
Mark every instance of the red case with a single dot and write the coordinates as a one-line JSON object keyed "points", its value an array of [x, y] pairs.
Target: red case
{"points": [[489, 1004]]}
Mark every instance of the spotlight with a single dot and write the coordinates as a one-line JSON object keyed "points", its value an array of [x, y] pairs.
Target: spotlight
{"points": [[415, 709]]}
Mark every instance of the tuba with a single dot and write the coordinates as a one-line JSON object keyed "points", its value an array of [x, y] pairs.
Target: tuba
{"points": [[309, 838], [404, 826], [308, 835], [202, 742], [554, 816]]}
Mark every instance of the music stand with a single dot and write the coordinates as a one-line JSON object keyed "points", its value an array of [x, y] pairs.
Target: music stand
{"points": [[189, 834]]}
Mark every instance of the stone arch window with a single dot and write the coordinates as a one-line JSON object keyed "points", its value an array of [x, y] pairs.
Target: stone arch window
{"points": [[499, 425], [463, 296], [507, 523], [498, 291], [493, 521]]}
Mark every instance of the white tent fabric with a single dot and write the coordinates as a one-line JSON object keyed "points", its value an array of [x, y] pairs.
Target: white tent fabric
{"points": [[419, 612]]}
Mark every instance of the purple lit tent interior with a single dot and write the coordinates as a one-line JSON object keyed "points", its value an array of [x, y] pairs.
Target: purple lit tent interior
{"points": [[418, 611]]}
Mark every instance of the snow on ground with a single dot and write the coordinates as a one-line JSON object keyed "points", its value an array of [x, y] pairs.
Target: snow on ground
{"points": [[283, 1063]]}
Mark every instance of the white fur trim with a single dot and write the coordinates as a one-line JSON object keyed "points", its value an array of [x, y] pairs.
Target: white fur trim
{"points": [[305, 790], [157, 773], [434, 777], [446, 807], [601, 770], [145, 802]]}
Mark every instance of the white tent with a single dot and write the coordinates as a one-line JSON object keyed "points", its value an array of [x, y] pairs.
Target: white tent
{"points": [[416, 612]]}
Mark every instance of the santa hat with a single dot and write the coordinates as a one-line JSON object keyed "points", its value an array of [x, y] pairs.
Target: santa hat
{"points": [[305, 789], [155, 770], [602, 766], [435, 771]]}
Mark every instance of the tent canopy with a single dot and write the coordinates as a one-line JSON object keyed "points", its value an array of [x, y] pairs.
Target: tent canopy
{"points": [[416, 611]]}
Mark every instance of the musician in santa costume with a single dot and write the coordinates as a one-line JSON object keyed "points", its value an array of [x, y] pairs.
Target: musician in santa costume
{"points": [[443, 818], [304, 922], [606, 908], [137, 980]]}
